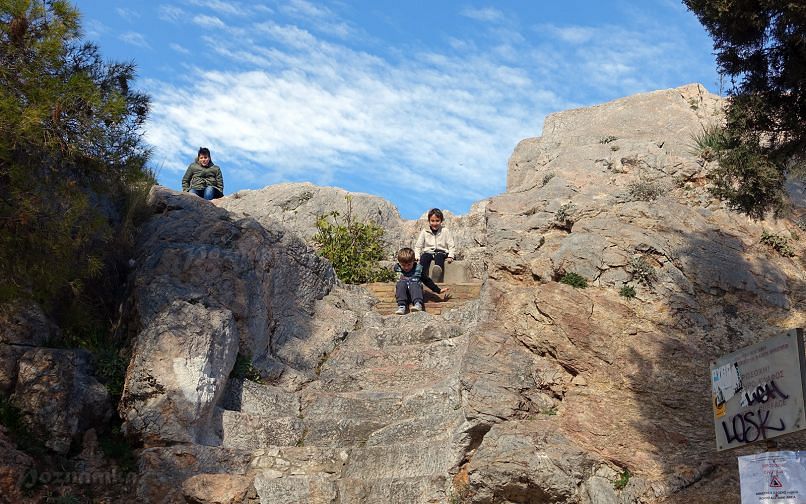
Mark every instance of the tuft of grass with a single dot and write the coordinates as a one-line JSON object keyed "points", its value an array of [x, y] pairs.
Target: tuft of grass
{"points": [[574, 280], [548, 176], [644, 190], [642, 271], [623, 479], [607, 139], [708, 143], [244, 369], [778, 243], [627, 291]]}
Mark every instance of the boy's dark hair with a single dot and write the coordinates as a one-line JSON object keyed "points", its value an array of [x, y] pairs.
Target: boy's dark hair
{"points": [[405, 255], [437, 212], [205, 151]]}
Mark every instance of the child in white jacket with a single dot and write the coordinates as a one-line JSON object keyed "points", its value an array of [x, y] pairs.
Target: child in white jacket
{"points": [[436, 244]]}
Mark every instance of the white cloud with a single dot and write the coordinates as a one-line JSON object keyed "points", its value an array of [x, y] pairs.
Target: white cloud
{"points": [[440, 123], [179, 48], [226, 8], [171, 13], [208, 21], [487, 14], [315, 110], [135, 39], [304, 9], [129, 14]]}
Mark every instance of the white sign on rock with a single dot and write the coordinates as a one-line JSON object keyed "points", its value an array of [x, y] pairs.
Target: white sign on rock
{"points": [[757, 392], [773, 478]]}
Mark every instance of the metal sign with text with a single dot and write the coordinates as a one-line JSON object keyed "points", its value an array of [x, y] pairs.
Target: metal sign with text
{"points": [[758, 391]]}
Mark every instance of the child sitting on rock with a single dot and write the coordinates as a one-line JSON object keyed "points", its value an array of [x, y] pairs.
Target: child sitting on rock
{"points": [[435, 244], [409, 288]]}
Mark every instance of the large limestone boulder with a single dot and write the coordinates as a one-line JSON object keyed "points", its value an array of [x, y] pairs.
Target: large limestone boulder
{"points": [[178, 372]]}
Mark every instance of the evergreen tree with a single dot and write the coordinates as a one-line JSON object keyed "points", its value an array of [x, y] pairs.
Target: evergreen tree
{"points": [[72, 161], [761, 46]]}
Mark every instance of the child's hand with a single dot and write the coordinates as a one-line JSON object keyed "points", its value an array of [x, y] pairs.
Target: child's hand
{"points": [[450, 260], [445, 293]]}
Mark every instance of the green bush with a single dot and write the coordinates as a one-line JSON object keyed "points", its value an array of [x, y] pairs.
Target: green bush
{"points": [[778, 243], [627, 291], [623, 479], [244, 369], [354, 248], [72, 165], [574, 280]]}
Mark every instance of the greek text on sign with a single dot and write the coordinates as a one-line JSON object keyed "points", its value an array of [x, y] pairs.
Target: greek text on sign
{"points": [[757, 392]]}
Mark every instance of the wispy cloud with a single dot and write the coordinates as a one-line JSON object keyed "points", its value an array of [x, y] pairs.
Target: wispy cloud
{"points": [[449, 123], [129, 14], [487, 14], [224, 8], [208, 21], [171, 13], [179, 48], [135, 39], [440, 123]]}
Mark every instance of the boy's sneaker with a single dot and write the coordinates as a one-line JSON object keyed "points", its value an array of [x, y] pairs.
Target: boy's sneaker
{"points": [[401, 310], [436, 273], [417, 307]]}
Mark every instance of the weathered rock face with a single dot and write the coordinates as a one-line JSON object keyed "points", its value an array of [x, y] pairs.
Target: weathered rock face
{"points": [[298, 206], [58, 395], [536, 392]]}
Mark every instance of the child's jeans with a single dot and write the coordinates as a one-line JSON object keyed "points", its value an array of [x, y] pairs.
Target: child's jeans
{"points": [[208, 193], [438, 257], [408, 291]]}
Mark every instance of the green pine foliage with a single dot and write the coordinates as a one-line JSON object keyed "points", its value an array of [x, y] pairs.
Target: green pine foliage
{"points": [[72, 165], [574, 280], [354, 248], [761, 47]]}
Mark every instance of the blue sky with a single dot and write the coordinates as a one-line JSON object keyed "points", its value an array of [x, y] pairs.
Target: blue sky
{"points": [[419, 102]]}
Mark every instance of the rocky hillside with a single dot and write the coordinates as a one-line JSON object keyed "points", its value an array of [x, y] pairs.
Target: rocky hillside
{"points": [[258, 377]]}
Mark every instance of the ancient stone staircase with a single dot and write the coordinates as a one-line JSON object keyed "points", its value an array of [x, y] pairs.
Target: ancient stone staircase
{"points": [[460, 293], [387, 403]]}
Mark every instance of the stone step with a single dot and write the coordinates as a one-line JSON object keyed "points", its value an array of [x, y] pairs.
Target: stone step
{"points": [[258, 399], [391, 368], [420, 490], [460, 293], [246, 431]]}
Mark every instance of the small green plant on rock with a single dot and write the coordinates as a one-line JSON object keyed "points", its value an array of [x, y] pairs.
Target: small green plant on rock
{"points": [[778, 243], [642, 271], [607, 139], [708, 143], [244, 369], [574, 280], [627, 291], [354, 248], [623, 479]]}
